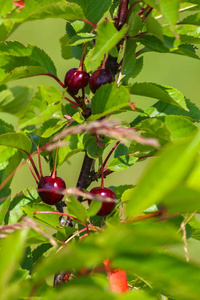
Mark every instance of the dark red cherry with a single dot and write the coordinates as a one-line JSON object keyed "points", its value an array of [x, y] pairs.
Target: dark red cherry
{"points": [[106, 207], [75, 80], [53, 184], [100, 77]]}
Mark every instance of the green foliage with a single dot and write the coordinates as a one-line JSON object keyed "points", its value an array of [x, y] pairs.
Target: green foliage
{"points": [[158, 214], [18, 61]]}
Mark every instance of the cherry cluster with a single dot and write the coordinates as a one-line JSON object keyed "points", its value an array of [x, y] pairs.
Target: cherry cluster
{"points": [[76, 79], [51, 188]]}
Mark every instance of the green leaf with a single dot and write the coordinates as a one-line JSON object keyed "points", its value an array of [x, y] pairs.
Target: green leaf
{"points": [[156, 127], [11, 252], [182, 200], [16, 140], [179, 127], [5, 127], [5, 7], [107, 37], [51, 220], [81, 38], [93, 9], [126, 239], [75, 145], [169, 9], [135, 23], [170, 274], [164, 173], [18, 61], [108, 99], [5, 155], [43, 106], [122, 163], [93, 149], [188, 33], [161, 92], [14, 100], [136, 238], [82, 291], [154, 27], [129, 59], [50, 127], [65, 47], [39, 251], [94, 208], [6, 28], [76, 209], [13, 163], [160, 109], [4, 208], [34, 10], [135, 70], [119, 190], [121, 150], [152, 43], [16, 206], [192, 19]]}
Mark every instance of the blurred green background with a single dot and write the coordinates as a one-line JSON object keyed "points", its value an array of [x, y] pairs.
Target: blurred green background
{"points": [[174, 70]]}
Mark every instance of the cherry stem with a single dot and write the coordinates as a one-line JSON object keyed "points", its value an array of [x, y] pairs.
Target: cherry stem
{"points": [[39, 161], [36, 212], [104, 62], [139, 52], [53, 173], [130, 8], [33, 164], [36, 180], [72, 102], [82, 58], [87, 21], [102, 175], [144, 19], [54, 77], [143, 10], [110, 153]]}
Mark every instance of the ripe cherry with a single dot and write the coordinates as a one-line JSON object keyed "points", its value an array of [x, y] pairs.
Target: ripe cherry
{"points": [[54, 185], [106, 207], [100, 77], [76, 79]]}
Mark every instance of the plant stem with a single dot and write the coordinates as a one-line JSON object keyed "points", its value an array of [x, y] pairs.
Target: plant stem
{"points": [[39, 162], [72, 102], [88, 22], [54, 77], [144, 19], [36, 180], [122, 14], [82, 58], [102, 176], [53, 173], [84, 177], [110, 153]]}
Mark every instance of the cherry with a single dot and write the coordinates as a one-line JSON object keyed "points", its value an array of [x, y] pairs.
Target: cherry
{"points": [[76, 79], [106, 207], [100, 77], [54, 184]]}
